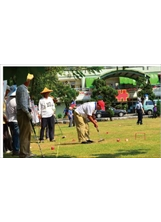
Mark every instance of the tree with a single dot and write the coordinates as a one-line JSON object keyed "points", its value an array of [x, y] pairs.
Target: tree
{"points": [[104, 92], [48, 77], [65, 93], [145, 88]]}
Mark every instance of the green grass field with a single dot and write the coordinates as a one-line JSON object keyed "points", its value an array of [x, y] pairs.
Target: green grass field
{"points": [[143, 141]]}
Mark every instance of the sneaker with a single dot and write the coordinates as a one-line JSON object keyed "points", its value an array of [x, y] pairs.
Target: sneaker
{"points": [[84, 142], [8, 151], [31, 155], [90, 141], [53, 140]]}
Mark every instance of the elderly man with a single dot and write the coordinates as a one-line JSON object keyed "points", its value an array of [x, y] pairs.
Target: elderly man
{"points": [[24, 117], [46, 114], [82, 114]]}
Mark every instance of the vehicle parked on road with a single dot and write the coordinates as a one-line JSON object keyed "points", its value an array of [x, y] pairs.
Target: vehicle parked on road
{"points": [[117, 112], [148, 105]]}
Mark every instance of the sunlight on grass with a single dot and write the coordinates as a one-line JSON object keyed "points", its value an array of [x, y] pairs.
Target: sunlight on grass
{"points": [[132, 143]]}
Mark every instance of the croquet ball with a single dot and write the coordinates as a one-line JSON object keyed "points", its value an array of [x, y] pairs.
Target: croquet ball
{"points": [[52, 148], [118, 140], [126, 140]]}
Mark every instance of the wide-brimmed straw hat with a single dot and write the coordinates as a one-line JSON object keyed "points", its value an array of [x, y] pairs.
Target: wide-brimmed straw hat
{"points": [[46, 90], [29, 76]]}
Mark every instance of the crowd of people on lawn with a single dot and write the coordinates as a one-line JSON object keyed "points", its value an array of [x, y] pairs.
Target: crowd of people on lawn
{"points": [[19, 114]]}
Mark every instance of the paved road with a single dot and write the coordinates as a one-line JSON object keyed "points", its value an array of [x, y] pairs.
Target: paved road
{"points": [[127, 116]]}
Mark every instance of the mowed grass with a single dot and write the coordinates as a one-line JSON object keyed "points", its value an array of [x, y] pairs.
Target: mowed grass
{"points": [[143, 141]]}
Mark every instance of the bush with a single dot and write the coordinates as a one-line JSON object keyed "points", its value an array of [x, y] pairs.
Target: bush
{"points": [[59, 115], [158, 108]]}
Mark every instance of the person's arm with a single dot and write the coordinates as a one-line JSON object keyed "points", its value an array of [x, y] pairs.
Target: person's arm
{"points": [[142, 109], [94, 121]]}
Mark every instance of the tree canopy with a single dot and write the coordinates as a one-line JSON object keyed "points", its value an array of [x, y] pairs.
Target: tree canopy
{"points": [[104, 92], [48, 77]]}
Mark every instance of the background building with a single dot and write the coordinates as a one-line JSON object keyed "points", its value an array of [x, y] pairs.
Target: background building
{"points": [[119, 77]]}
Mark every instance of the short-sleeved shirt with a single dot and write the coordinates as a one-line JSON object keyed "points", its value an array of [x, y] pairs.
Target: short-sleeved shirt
{"points": [[138, 106], [46, 107], [86, 109], [11, 109]]}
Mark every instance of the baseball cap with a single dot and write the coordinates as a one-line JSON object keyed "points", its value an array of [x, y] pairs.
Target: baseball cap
{"points": [[101, 104]]}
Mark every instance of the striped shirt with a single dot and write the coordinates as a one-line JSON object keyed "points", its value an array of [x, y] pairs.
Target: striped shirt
{"points": [[22, 98]]}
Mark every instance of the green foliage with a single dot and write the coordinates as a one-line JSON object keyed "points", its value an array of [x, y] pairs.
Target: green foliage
{"points": [[158, 107], [59, 116], [104, 92], [118, 106], [110, 113], [146, 88], [48, 77]]}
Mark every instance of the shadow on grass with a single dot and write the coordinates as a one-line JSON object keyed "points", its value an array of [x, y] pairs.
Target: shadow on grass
{"points": [[121, 153], [102, 155]]}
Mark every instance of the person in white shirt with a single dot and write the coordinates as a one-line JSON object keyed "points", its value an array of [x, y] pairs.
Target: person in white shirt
{"points": [[140, 111], [11, 112], [82, 114], [46, 114]]}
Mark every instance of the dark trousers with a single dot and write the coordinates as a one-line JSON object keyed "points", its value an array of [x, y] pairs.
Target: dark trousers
{"points": [[7, 140], [140, 116], [15, 135], [50, 122]]}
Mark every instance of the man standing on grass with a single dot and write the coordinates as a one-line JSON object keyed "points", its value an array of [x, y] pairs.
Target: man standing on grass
{"points": [[83, 114], [24, 117], [140, 111], [46, 114]]}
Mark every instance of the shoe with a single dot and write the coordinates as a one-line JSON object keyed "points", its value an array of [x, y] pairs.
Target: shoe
{"points": [[41, 141], [90, 141], [84, 142], [31, 155], [15, 153], [53, 140], [8, 151]]}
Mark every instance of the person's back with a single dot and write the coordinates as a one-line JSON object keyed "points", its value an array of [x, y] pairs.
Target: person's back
{"points": [[11, 111], [155, 111], [140, 111]]}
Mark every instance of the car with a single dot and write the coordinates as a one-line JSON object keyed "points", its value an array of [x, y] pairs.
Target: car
{"points": [[148, 105], [117, 112]]}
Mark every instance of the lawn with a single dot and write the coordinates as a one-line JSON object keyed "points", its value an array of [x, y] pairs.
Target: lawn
{"points": [[135, 141]]}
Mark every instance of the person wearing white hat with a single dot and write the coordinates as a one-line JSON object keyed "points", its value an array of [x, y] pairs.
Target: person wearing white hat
{"points": [[46, 114], [11, 112], [24, 117]]}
